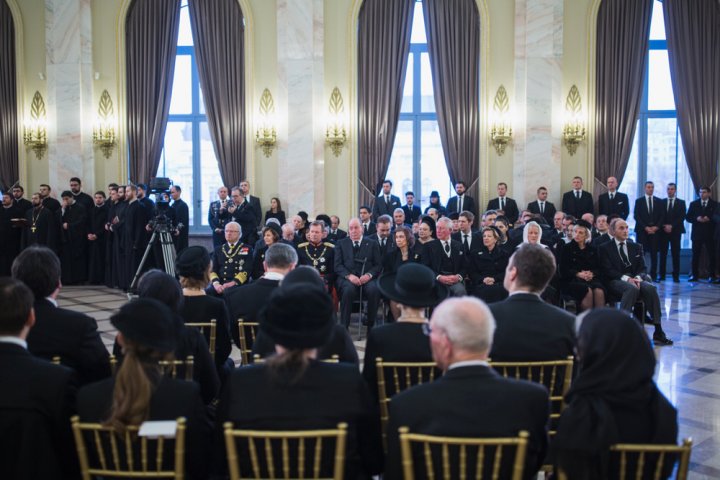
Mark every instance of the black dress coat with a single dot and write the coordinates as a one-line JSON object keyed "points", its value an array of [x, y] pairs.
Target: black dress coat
{"points": [[393, 259], [571, 205], [247, 302], [619, 205], [573, 259], [548, 214], [340, 344], [182, 224], [38, 399], [483, 263], [471, 401], [511, 209]]}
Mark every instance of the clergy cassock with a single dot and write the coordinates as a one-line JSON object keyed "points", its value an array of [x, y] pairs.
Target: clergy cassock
{"points": [[9, 237], [41, 229], [73, 243], [231, 264], [97, 241], [109, 245], [121, 276], [136, 236]]}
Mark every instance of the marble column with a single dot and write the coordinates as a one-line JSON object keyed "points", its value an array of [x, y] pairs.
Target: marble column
{"points": [[538, 99], [68, 40], [299, 105]]}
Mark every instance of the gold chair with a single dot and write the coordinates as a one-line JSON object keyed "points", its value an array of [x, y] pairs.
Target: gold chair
{"points": [[211, 328], [247, 333], [56, 360], [268, 454], [555, 375], [333, 359], [645, 458], [461, 458], [403, 375], [113, 364], [104, 452], [171, 367]]}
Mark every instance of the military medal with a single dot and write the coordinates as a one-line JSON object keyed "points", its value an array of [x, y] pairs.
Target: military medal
{"points": [[315, 263]]}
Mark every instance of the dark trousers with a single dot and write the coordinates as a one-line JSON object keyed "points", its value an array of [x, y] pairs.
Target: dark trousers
{"points": [[630, 294], [671, 241], [697, 246], [349, 293], [650, 244]]}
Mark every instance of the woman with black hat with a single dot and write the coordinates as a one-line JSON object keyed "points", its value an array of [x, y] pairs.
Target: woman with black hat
{"points": [[414, 288], [139, 392], [612, 400], [193, 266], [294, 391], [435, 203], [579, 267], [486, 267]]}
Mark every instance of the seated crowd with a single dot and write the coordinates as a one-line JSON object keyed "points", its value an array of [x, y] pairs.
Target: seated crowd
{"points": [[299, 283]]}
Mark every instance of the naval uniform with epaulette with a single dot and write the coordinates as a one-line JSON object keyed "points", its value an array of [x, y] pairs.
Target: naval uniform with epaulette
{"points": [[231, 264]]}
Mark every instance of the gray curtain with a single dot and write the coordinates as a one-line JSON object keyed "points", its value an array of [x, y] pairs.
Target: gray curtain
{"points": [[9, 169], [453, 36], [151, 30], [693, 36], [219, 45], [623, 29], [383, 47]]}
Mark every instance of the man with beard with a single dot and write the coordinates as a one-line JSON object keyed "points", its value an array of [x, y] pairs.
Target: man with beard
{"points": [[73, 240], [49, 202], [9, 233], [117, 225], [22, 203], [42, 228], [96, 239], [81, 197]]}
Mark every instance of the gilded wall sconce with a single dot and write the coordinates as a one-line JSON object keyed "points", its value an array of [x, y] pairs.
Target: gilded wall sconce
{"points": [[266, 135], [574, 128], [501, 124], [335, 134], [104, 128], [35, 130]]}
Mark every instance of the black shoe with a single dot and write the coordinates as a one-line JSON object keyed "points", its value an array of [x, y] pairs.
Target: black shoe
{"points": [[676, 279], [692, 278], [661, 340]]}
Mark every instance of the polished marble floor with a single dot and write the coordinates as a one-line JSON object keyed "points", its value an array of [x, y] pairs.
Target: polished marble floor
{"points": [[688, 372]]}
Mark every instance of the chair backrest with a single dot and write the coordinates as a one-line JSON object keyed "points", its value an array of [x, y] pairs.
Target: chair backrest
{"points": [[394, 377], [209, 331], [171, 367], [555, 375], [640, 461], [286, 454], [104, 452], [333, 359], [429, 456], [56, 360], [247, 334]]}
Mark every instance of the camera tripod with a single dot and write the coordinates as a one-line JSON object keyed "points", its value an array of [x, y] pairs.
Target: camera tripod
{"points": [[161, 233]]}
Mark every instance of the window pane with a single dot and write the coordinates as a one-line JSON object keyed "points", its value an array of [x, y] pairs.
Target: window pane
{"points": [[427, 100], [661, 153], [177, 156], [685, 189], [185, 32], [181, 102], [417, 35], [211, 180], [202, 100], [657, 24], [407, 101], [401, 161], [630, 179], [660, 92], [432, 164]]}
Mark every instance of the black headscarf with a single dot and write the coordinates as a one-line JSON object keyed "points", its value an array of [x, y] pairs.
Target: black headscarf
{"points": [[617, 364]]}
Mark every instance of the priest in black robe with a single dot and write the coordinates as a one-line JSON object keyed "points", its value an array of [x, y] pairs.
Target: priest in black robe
{"points": [[73, 240], [41, 227], [9, 233], [120, 272], [136, 235], [97, 236]]}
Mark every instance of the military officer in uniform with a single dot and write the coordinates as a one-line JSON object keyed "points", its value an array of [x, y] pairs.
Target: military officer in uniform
{"points": [[318, 254], [231, 262]]}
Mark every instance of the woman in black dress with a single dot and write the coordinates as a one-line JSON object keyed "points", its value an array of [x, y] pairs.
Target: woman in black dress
{"points": [[403, 252], [275, 211], [193, 266], [140, 392], [435, 203], [612, 400], [294, 391], [414, 288], [580, 269], [486, 267], [270, 235]]}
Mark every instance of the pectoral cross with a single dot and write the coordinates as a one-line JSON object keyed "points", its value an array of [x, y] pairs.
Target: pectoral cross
{"points": [[33, 229]]}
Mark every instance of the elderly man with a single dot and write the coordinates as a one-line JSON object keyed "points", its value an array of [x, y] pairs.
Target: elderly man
{"points": [[398, 218], [622, 266], [357, 264], [470, 399], [613, 203], [446, 257], [218, 216], [231, 262]]}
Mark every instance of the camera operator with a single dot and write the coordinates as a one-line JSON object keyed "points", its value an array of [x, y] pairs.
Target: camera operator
{"points": [[242, 213]]}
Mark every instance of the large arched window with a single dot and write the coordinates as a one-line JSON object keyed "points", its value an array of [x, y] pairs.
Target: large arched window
{"points": [[188, 157], [657, 153], [417, 162]]}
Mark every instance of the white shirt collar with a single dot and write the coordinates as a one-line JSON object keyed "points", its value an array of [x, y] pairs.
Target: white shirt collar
{"points": [[469, 363], [273, 276], [523, 292], [618, 242], [52, 300], [14, 340]]}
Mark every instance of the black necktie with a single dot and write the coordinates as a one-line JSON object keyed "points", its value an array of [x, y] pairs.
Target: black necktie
{"points": [[365, 228], [387, 199], [502, 204], [465, 241], [671, 204], [623, 256], [650, 206], [447, 248], [356, 247], [612, 195], [704, 204], [542, 207], [577, 194], [383, 243], [459, 207]]}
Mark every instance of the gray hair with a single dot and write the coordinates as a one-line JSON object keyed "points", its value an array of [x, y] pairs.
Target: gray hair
{"points": [[468, 323], [398, 210], [281, 255], [384, 219], [234, 224], [445, 221]]}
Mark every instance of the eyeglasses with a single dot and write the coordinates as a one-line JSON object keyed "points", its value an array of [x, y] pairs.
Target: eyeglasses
{"points": [[427, 330]]}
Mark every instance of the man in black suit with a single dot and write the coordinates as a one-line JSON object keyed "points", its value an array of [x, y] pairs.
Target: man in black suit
{"points": [[700, 215], [382, 235], [504, 203], [9, 232], [470, 399], [446, 257], [23, 203], [412, 211], [577, 201], [218, 216], [357, 266], [366, 223], [462, 201], [73, 336], [622, 267], [528, 329], [253, 201], [246, 302], [613, 202], [398, 219], [385, 203], [542, 206], [649, 213], [673, 227], [336, 233], [471, 241], [602, 227], [242, 213], [182, 219], [38, 398]]}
